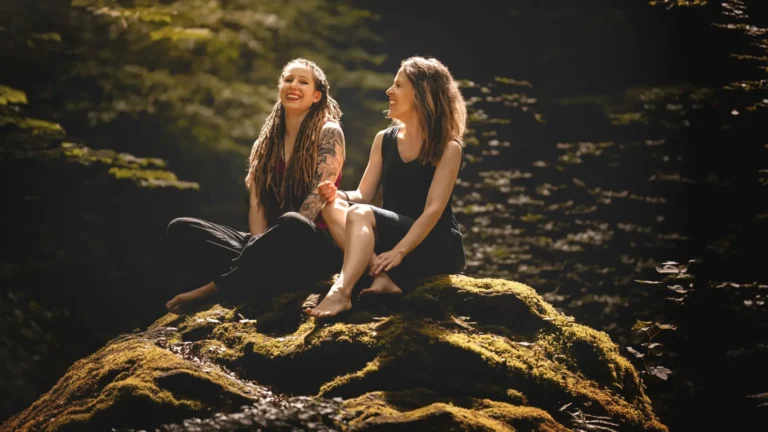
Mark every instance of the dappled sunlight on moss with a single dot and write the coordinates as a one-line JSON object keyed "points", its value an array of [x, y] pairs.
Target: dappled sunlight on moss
{"points": [[488, 371], [421, 409], [126, 375]]}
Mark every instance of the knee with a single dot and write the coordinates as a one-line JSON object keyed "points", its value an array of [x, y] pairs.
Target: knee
{"points": [[294, 219], [360, 213]]}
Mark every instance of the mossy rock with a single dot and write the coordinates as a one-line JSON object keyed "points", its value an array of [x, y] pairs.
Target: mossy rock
{"points": [[459, 354]]}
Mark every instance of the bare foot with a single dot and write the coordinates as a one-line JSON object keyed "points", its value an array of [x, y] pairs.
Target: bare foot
{"points": [[336, 302], [177, 304], [382, 284]]}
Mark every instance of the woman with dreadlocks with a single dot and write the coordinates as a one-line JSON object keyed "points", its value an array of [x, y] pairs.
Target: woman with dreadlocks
{"points": [[300, 145], [416, 161]]}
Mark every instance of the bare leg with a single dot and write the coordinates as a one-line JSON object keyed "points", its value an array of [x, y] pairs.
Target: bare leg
{"points": [[335, 215], [176, 304], [358, 251]]}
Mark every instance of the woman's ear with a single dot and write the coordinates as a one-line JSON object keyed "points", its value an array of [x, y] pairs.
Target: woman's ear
{"points": [[317, 96]]}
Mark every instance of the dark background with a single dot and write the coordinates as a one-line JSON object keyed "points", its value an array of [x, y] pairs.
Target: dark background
{"points": [[623, 152]]}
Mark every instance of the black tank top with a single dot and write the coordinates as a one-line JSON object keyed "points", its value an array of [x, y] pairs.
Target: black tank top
{"points": [[406, 186]]}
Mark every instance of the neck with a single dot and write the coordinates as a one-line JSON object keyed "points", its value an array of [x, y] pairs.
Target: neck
{"points": [[293, 123], [412, 131]]}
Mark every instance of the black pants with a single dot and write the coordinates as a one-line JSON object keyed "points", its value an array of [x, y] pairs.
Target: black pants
{"points": [[291, 254], [441, 251]]}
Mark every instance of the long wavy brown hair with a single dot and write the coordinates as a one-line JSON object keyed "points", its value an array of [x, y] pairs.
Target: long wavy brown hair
{"points": [[298, 181], [441, 109]]}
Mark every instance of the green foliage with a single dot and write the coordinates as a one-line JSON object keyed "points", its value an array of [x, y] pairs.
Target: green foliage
{"points": [[12, 96], [675, 274], [87, 84], [188, 80], [33, 125], [751, 94]]}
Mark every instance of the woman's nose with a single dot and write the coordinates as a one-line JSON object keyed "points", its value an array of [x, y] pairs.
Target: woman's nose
{"points": [[389, 91]]}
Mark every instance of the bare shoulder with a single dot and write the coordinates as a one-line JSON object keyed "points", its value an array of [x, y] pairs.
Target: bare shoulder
{"points": [[452, 152], [379, 138], [332, 128], [331, 136]]}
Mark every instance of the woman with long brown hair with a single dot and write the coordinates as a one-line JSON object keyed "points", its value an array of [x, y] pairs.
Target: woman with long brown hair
{"points": [[416, 161], [300, 145]]}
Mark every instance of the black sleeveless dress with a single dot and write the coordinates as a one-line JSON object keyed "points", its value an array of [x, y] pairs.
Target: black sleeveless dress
{"points": [[405, 189]]}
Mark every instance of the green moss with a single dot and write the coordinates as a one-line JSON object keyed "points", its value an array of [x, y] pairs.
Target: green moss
{"points": [[437, 416], [373, 412], [529, 362], [97, 387], [517, 361], [167, 320], [421, 409], [520, 417], [343, 380], [202, 323], [517, 396]]}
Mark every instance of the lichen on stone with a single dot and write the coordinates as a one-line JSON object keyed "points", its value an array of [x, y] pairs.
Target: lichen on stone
{"points": [[458, 353]]}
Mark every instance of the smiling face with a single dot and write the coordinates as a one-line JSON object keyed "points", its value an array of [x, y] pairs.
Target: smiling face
{"points": [[297, 89], [402, 104]]}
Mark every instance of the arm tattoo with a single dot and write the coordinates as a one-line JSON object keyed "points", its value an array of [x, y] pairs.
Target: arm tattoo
{"points": [[330, 156]]}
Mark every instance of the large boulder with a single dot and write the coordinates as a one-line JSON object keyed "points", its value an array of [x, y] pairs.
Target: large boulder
{"points": [[456, 353]]}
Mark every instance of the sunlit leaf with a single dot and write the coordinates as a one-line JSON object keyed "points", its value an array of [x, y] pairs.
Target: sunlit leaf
{"points": [[651, 345], [635, 352], [660, 371], [642, 325], [668, 269]]}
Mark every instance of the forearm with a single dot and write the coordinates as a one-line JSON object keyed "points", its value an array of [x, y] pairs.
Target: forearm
{"points": [[257, 221], [418, 232], [353, 196], [312, 206]]}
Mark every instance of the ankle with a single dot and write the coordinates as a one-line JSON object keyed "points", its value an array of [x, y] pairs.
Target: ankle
{"points": [[339, 288]]}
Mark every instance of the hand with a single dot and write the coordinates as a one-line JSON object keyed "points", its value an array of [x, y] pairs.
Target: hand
{"points": [[327, 190], [387, 261]]}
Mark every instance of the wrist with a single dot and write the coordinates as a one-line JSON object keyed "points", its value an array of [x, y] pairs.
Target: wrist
{"points": [[344, 195]]}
